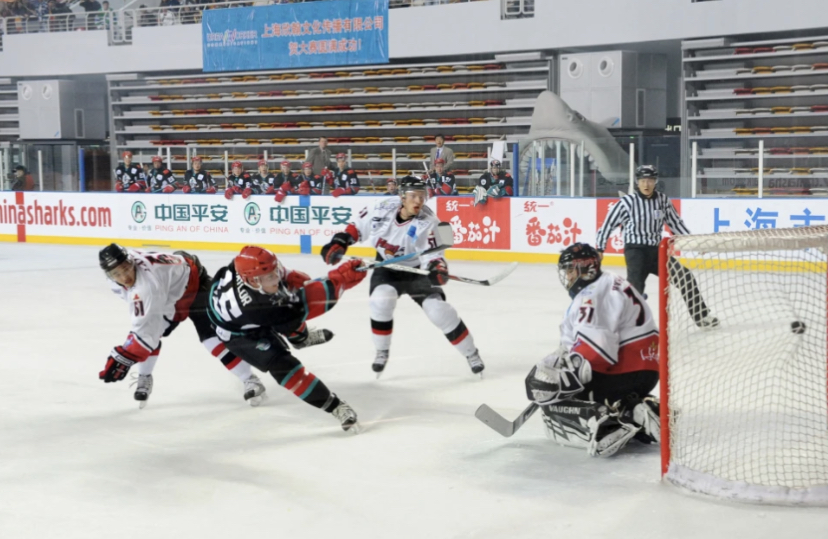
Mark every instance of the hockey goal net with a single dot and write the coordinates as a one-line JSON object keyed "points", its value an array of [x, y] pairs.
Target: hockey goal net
{"points": [[744, 401]]}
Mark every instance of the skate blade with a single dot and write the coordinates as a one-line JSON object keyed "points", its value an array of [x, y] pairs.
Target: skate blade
{"points": [[379, 374], [355, 429], [142, 404], [256, 401]]}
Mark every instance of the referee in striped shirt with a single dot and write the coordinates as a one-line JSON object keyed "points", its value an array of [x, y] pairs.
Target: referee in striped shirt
{"points": [[643, 215]]}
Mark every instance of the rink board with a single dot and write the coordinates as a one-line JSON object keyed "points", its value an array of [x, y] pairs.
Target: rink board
{"points": [[511, 229]]}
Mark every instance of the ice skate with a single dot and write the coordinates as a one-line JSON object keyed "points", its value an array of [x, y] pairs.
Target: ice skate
{"points": [[380, 361], [476, 363], [143, 390], [254, 390], [315, 336], [347, 417]]}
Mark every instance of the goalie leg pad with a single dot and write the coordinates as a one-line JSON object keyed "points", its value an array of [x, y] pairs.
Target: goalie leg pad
{"points": [[646, 415], [480, 195], [587, 425]]}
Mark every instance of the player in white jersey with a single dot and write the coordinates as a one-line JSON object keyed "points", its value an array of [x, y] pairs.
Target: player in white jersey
{"points": [[593, 391], [162, 290], [396, 227]]}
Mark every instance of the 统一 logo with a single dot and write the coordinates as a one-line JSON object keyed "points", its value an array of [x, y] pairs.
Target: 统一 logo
{"points": [[139, 212], [252, 213]]}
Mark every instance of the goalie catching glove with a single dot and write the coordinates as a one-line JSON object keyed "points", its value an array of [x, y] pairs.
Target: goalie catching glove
{"points": [[559, 376]]}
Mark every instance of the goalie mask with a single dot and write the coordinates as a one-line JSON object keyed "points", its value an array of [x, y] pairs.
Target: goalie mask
{"points": [[579, 265], [260, 270]]}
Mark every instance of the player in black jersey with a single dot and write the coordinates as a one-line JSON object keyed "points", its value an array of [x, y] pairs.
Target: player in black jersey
{"points": [[345, 180], [197, 180], [495, 184], [161, 179], [440, 182], [241, 183], [282, 184], [255, 301], [264, 178], [129, 177]]}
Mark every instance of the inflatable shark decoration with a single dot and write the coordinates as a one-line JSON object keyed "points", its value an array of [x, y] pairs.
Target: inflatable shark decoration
{"points": [[554, 119]]}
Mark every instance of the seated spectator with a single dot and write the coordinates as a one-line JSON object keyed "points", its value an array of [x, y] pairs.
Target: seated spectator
{"points": [[93, 15], [62, 19], [391, 187], [190, 13], [22, 180], [147, 18], [167, 18]]}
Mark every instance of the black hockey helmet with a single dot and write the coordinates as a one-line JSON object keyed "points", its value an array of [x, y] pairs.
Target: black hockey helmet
{"points": [[646, 171], [112, 256], [412, 183], [583, 258]]}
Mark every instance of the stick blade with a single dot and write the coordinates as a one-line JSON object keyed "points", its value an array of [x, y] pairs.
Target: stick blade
{"points": [[503, 274], [444, 235], [495, 421]]}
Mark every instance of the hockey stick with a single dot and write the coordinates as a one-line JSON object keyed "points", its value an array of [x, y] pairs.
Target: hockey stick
{"points": [[373, 188], [444, 235], [484, 282], [500, 424]]}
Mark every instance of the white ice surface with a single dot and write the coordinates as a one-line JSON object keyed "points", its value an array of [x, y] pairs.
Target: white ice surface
{"points": [[79, 460]]}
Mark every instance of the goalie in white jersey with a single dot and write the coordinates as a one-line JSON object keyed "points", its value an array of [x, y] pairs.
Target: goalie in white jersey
{"points": [[594, 390], [397, 227], [162, 290]]}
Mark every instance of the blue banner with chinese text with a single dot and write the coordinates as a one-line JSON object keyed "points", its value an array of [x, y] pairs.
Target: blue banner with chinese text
{"points": [[310, 34]]}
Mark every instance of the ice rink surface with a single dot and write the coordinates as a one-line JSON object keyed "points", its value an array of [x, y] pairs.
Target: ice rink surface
{"points": [[78, 459]]}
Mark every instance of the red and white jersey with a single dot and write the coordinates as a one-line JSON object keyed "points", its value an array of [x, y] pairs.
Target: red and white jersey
{"points": [[155, 299], [612, 327], [379, 227]]}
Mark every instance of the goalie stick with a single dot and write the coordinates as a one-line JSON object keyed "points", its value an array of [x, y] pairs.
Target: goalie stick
{"points": [[491, 281], [500, 424]]}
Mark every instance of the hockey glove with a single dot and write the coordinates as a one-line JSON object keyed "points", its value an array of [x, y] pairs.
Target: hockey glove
{"points": [[117, 366], [333, 251], [119, 187], [446, 188], [495, 191], [338, 192], [228, 193], [438, 272], [280, 195], [270, 190], [168, 189], [210, 191], [346, 276], [304, 188], [134, 188], [246, 193], [186, 189]]}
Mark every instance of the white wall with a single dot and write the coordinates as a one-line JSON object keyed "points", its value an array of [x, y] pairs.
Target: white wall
{"points": [[439, 31], [158, 48]]}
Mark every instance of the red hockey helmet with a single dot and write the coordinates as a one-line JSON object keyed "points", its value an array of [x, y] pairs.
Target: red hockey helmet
{"points": [[262, 162], [126, 153], [307, 164], [439, 161], [157, 159], [258, 268], [237, 164], [196, 158], [341, 156]]}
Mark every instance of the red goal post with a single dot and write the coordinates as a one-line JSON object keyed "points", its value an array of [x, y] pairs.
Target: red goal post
{"points": [[744, 404]]}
